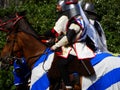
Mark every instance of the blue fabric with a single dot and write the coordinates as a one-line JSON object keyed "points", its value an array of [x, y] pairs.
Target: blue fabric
{"points": [[99, 57], [43, 82], [19, 77], [107, 80], [43, 57]]}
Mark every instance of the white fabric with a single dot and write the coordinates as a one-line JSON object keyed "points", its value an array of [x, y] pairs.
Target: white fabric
{"points": [[72, 52], [82, 51], [38, 71], [115, 86], [60, 25], [62, 42], [65, 51], [75, 27], [102, 68], [78, 30], [48, 63]]}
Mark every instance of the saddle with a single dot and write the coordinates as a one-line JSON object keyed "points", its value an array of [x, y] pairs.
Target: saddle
{"points": [[83, 67]]}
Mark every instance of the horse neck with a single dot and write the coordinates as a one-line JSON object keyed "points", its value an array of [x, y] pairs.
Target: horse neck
{"points": [[32, 48]]}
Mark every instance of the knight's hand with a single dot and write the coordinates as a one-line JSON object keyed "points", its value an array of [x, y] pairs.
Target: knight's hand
{"points": [[53, 48]]}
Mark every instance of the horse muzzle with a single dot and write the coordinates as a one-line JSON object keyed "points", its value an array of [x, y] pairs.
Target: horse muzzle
{"points": [[5, 63]]}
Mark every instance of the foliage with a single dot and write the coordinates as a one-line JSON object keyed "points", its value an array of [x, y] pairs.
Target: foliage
{"points": [[2, 39], [110, 20], [6, 80], [42, 15]]}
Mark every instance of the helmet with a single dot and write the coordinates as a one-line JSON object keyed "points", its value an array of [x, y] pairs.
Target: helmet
{"points": [[69, 7], [89, 8]]}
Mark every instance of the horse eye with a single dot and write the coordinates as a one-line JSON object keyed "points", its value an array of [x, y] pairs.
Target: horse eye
{"points": [[7, 40]]}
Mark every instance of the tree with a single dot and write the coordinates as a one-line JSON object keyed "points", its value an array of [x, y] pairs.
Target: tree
{"points": [[42, 15], [110, 20]]}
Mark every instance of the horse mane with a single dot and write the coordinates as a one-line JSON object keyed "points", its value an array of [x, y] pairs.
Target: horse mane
{"points": [[26, 27]]}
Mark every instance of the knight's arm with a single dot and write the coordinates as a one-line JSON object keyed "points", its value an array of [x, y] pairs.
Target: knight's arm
{"points": [[68, 38], [59, 28]]}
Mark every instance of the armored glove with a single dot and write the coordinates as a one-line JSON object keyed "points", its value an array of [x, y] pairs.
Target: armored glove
{"points": [[60, 43]]}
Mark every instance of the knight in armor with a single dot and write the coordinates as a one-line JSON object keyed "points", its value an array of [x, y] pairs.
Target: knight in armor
{"points": [[93, 18], [76, 34], [71, 25], [68, 13]]}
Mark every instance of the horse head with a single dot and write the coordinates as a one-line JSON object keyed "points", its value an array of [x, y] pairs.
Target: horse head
{"points": [[5, 63], [18, 39], [8, 25]]}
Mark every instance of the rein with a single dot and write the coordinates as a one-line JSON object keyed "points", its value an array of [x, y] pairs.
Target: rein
{"points": [[14, 20], [39, 55], [11, 56], [45, 52]]}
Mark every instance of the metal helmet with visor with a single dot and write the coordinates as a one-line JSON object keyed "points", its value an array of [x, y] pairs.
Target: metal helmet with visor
{"points": [[70, 7], [89, 7]]}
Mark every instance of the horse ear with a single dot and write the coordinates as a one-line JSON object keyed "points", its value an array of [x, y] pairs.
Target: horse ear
{"points": [[1, 28], [22, 13]]}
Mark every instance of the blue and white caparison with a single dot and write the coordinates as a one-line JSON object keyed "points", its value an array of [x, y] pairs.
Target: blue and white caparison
{"points": [[39, 79], [107, 73]]}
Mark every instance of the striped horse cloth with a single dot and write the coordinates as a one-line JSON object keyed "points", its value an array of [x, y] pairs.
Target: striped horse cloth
{"points": [[39, 79], [107, 76]]}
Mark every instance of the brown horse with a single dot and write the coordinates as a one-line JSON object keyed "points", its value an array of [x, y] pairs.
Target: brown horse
{"points": [[22, 38]]}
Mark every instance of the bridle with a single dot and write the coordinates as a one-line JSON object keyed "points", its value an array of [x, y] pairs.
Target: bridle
{"points": [[14, 21], [11, 57]]}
